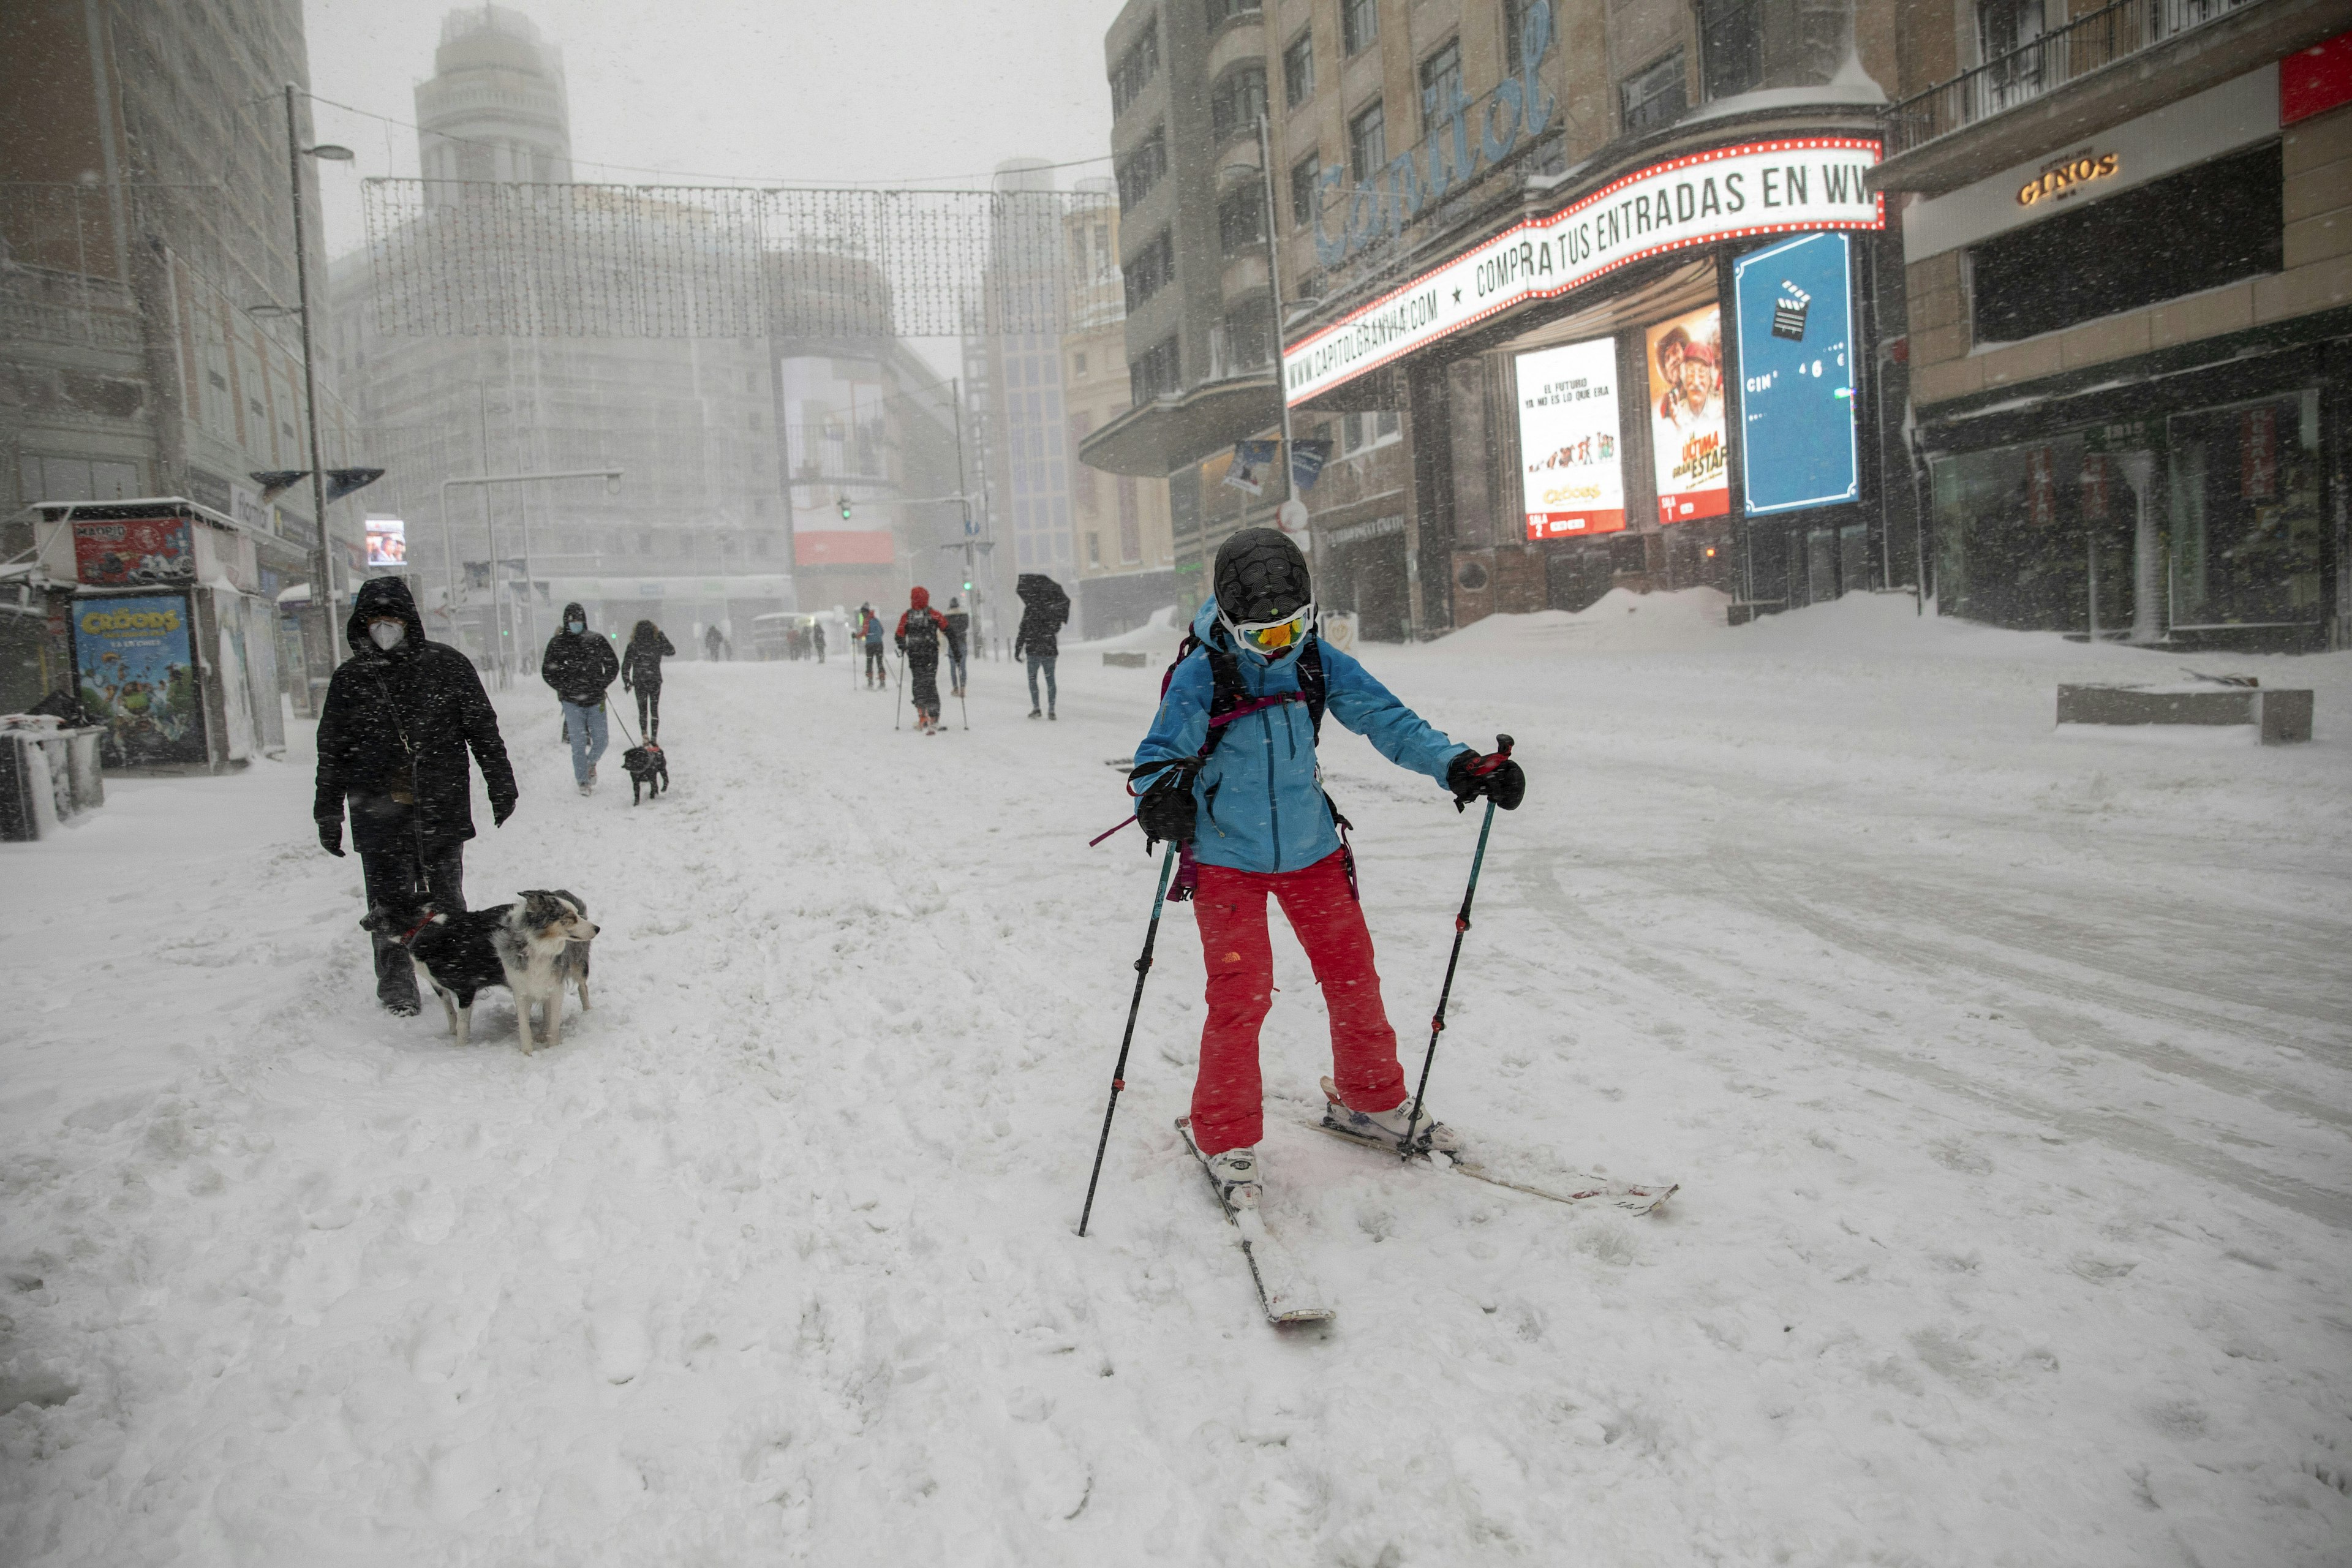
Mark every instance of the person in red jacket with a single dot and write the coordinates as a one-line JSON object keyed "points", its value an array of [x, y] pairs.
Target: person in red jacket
{"points": [[920, 631]]}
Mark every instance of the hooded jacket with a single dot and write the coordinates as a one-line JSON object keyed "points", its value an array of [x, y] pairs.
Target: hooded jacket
{"points": [[641, 666], [1259, 799], [927, 648], [579, 665], [1046, 608], [400, 723]]}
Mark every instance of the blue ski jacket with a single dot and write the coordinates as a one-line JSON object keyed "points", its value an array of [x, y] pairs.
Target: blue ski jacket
{"points": [[1259, 799]]}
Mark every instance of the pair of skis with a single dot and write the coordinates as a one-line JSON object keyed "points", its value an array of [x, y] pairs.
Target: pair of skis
{"points": [[1288, 1294]]}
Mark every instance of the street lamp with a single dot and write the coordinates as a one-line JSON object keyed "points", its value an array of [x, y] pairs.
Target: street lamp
{"points": [[322, 581]]}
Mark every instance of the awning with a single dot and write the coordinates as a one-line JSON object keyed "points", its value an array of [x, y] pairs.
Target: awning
{"points": [[1164, 436]]}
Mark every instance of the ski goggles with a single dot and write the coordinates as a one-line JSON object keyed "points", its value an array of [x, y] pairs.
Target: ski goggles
{"points": [[1274, 637]]}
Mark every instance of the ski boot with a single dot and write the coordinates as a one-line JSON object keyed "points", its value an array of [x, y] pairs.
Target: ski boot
{"points": [[1388, 1126]]}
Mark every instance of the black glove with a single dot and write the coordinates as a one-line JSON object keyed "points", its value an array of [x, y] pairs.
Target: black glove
{"points": [[501, 808], [1166, 809], [331, 836], [1495, 775]]}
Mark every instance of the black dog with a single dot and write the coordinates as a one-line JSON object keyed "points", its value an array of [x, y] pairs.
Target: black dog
{"points": [[647, 769]]}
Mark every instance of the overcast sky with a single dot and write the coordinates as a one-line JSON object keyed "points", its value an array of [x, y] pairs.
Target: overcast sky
{"points": [[880, 92]]}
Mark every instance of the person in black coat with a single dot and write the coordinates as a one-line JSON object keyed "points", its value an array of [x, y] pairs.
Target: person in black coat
{"points": [[1045, 607], [641, 670], [580, 665], [399, 718]]}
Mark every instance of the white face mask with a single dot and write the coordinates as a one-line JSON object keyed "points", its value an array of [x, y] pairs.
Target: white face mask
{"points": [[386, 635]]}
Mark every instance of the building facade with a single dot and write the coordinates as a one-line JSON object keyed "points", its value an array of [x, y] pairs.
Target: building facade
{"points": [[149, 342], [2129, 237], [695, 534], [1122, 558], [1514, 236]]}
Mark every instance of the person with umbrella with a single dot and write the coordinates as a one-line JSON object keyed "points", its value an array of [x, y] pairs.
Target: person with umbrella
{"points": [[1046, 608]]}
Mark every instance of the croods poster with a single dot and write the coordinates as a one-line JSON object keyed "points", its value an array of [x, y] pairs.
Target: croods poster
{"points": [[136, 668], [1686, 437]]}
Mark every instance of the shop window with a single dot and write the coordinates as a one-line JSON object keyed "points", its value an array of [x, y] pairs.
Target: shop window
{"points": [[1367, 145], [1359, 24], [1082, 477], [1157, 373], [76, 478], [1135, 69], [1731, 47], [2037, 538], [1654, 96], [1238, 101], [1247, 336], [2005, 29], [1441, 83], [1136, 173], [2198, 229], [1149, 269], [1131, 521], [1298, 71], [1241, 218], [1304, 174], [2246, 517], [1364, 432]]}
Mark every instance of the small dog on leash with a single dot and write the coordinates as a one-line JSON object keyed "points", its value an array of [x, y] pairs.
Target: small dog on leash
{"points": [[531, 948], [647, 769]]}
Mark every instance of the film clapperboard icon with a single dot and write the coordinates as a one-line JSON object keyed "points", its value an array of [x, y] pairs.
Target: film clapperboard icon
{"points": [[1789, 312]]}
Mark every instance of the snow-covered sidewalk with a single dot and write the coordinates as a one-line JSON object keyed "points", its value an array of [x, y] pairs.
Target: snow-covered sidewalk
{"points": [[2007, 1074]]}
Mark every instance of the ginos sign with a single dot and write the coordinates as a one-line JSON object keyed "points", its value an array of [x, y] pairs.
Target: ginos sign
{"points": [[2061, 178]]}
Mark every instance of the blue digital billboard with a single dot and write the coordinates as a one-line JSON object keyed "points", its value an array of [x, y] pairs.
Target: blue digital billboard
{"points": [[1796, 374]]}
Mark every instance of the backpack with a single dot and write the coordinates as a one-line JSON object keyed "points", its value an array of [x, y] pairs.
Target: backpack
{"points": [[923, 635]]}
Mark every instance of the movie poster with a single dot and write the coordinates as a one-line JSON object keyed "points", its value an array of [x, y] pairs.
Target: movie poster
{"points": [[126, 553], [1567, 440], [1687, 436], [387, 542], [133, 661]]}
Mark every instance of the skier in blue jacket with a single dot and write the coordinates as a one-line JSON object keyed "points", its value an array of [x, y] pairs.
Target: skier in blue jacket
{"points": [[1229, 769]]}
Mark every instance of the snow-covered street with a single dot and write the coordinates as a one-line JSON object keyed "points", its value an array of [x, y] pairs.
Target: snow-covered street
{"points": [[2007, 1072]]}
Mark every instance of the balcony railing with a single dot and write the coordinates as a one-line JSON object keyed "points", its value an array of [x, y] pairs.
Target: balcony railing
{"points": [[2087, 45]]}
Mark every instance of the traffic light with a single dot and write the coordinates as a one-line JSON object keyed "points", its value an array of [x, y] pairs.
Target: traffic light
{"points": [[845, 509], [967, 587]]}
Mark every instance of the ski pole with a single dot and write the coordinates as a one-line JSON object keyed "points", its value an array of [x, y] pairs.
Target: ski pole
{"points": [[1461, 928], [1118, 1073], [895, 715]]}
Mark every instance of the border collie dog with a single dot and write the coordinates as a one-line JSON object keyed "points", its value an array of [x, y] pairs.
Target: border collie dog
{"points": [[530, 947], [649, 770]]}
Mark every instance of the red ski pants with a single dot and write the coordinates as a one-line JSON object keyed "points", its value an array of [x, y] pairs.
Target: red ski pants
{"points": [[1228, 1097]]}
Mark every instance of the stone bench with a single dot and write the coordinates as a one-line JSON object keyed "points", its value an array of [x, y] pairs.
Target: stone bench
{"points": [[1128, 658], [2281, 716]]}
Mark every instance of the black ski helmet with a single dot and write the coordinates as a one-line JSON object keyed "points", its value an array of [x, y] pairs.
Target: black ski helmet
{"points": [[1260, 576]]}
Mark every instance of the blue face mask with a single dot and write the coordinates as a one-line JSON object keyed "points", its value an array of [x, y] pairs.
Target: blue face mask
{"points": [[576, 627]]}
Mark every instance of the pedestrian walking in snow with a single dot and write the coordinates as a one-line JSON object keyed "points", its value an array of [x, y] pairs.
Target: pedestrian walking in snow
{"points": [[816, 638], [869, 628], [1045, 610], [581, 666], [641, 672], [920, 631], [714, 642], [1230, 761], [400, 717], [958, 644]]}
